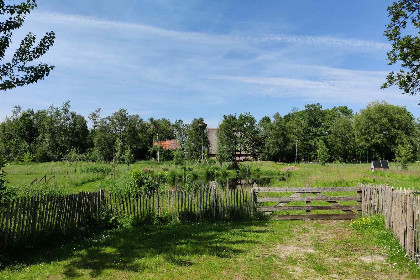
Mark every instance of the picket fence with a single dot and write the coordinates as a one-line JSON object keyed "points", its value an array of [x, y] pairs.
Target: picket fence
{"points": [[25, 220], [401, 209]]}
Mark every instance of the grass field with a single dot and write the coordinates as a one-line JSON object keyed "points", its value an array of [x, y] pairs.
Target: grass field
{"points": [[361, 249], [85, 176]]}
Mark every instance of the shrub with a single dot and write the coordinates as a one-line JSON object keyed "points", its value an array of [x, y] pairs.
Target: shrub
{"points": [[144, 181], [171, 175], [179, 158]]}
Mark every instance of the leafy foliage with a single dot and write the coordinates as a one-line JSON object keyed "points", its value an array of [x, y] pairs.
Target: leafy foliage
{"points": [[145, 181], [403, 32], [196, 138], [57, 134], [380, 127], [237, 135], [18, 72], [323, 153], [404, 153]]}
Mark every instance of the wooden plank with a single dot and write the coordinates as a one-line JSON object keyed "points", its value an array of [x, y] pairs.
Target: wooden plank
{"points": [[312, 198], [308, 207], [307, 189], [350, 216]]}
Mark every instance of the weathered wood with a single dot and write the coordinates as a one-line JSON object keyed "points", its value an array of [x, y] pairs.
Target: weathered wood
{"points": [[24, 219], [401, 209], [311, 198], [304, 195], [349, 216], [308, 208], [307, 189]]}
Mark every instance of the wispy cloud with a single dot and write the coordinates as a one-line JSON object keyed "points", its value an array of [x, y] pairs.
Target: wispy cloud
{"points": [[326, 85], [92, 22], [181, 74], [329, 42]]}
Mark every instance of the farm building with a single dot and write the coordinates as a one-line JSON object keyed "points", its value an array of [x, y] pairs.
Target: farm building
{"points": [[212, 135], [168, 144], [212, 149]]}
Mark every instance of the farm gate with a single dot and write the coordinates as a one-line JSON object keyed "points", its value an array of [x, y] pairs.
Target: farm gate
{"points": [[309, 203]]}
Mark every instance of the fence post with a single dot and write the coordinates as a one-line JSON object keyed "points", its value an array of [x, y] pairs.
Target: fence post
{"points": [[6, 225], [34, 216]]}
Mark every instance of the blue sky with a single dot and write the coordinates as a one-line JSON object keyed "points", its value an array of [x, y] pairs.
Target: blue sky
{"points": [[186, 59]]}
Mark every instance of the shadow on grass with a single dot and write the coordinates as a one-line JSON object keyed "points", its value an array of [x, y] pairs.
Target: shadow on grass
{"points": [[135, 249]]}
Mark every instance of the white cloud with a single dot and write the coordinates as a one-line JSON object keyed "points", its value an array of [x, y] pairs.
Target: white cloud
{"points": [[329, 41], [327, 85], [97, 23], [154, 70]]}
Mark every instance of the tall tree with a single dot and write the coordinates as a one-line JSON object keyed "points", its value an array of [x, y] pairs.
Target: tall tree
{"points": [[227, 139], [403, 32], [20, 71], [247, 135], [313, 118], [275, 140], [196, 139], [341, 140], [380, 127], [237, 134]]}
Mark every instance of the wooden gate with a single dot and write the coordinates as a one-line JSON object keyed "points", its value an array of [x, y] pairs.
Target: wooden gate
{"points": [[332, 203]]}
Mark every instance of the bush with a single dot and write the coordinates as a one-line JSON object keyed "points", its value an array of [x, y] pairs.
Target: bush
{"points": [[172, 175], [210, 172], [179, 158], [145, 181]]}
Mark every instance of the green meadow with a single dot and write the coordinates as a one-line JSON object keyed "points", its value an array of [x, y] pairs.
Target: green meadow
{"points": [[63, 177]]}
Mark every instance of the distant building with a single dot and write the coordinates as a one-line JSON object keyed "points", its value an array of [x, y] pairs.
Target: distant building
{"points": [[212, 151], [212, 135], [168, 144]]}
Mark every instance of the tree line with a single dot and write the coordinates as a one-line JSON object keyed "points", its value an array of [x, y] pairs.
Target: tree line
{"points": [[379, 131]]}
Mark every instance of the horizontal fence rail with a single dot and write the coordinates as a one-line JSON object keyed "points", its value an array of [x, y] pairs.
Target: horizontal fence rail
{"points": [[401, 209], [308, 195], [25, 220]]}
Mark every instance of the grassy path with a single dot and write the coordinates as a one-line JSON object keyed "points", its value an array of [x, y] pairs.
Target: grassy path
{"points": [[258, 250]]}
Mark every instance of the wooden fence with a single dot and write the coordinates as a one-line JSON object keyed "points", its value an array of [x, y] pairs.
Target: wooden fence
{"points": [[401, 209], [25, 220], [333, 209]]}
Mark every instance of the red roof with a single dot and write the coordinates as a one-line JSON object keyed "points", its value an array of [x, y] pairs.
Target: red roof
{"points": [[168, 144]]}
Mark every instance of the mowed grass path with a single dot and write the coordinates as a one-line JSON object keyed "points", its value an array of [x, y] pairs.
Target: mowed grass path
{"points": [[252, 250]]}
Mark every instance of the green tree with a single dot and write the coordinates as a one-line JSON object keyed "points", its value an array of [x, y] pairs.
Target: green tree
{"points": [[405, 153], [338, 127], [247, 135], [104, 141], [323, 153], [237, 135], [313, 130], [128, 156], [341, 140], [227, 139], [403, 33], [379, 128], [20, 71], [264, 129], [295, 139], [196, 138], [275, 139], [180, 131]]}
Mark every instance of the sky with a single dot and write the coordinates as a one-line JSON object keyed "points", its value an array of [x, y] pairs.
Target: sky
{"points": [[187, 59]]}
